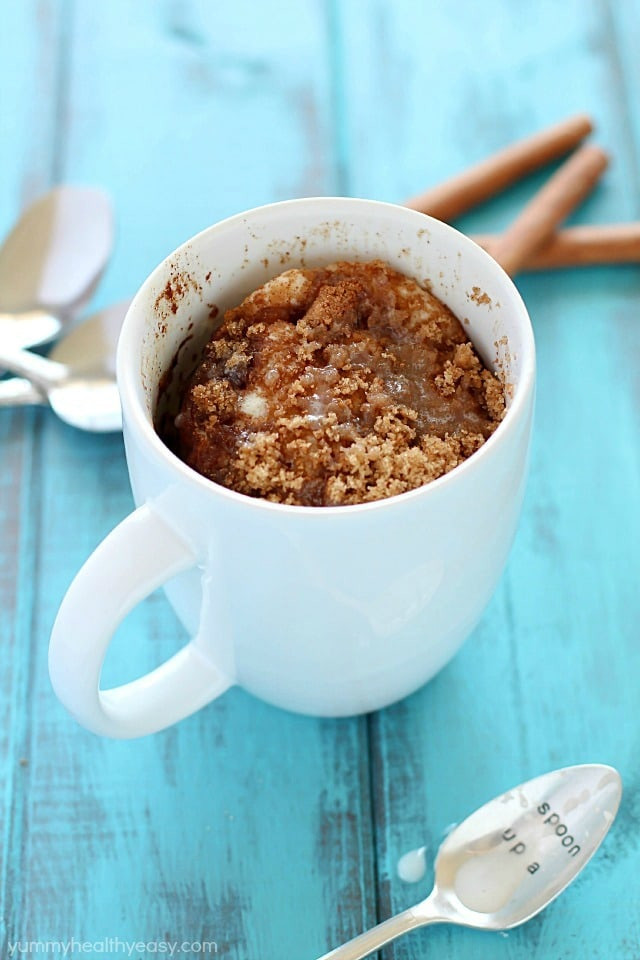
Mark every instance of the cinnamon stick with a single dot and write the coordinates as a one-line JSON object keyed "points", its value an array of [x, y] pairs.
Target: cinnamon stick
{"points": [[550, 206], [450, 199], [581, 246]]}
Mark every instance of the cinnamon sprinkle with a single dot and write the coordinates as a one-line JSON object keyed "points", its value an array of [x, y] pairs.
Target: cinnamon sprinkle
{"points": [[335, 386]]}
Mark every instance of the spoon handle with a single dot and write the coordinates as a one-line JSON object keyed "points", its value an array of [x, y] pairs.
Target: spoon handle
{"points": [[375, 938], [17, 392], [43, 373]]}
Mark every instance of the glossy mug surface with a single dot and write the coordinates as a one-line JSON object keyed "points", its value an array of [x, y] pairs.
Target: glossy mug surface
{"points": [[323, 610]]}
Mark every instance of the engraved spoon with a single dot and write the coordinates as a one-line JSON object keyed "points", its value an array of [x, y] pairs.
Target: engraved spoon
{"points": [[78, 379], [51, 262], [508, 860]]}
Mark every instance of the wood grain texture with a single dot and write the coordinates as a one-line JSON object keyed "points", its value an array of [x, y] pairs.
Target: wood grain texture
{"points": [[30, 42], [552, 674], [278, 836], [243, 817]]}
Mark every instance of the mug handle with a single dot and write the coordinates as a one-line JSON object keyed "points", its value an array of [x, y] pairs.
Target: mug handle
{"points": [[138, 556]]}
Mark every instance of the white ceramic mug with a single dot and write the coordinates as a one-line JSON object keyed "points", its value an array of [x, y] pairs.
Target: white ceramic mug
{"points": [[323, 610]]}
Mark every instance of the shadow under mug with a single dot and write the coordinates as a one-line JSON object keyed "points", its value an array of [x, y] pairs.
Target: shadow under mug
{"points": [[330, 611]]}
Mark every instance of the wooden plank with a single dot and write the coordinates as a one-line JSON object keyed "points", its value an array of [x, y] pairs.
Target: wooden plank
{"points": [[168, 836], [31, 41], [30, 44], [623, 37], [189, 116], [243, 824], [442, 104], [17, 547], [552, 674]]}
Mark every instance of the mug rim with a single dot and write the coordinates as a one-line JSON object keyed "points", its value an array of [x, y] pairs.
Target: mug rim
{"points": [[138, 423]]}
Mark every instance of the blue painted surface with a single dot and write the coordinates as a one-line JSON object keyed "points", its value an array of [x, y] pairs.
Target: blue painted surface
{"points": [[277, 836]]}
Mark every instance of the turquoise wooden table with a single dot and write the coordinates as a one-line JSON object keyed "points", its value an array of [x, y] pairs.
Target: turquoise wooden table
{"points": [[277, 836]]}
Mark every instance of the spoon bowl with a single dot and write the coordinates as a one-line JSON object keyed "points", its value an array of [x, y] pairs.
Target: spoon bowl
{"points": [[78, 378], [51, 262], [88, 400], [512, 857]]}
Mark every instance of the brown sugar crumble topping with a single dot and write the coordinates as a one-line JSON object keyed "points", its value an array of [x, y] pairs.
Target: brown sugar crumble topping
{"points": [[336, 386]]}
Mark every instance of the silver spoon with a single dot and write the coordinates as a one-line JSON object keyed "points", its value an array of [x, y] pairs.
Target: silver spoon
{"points": [[51, 261], [511, 857], [78, 378]]}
